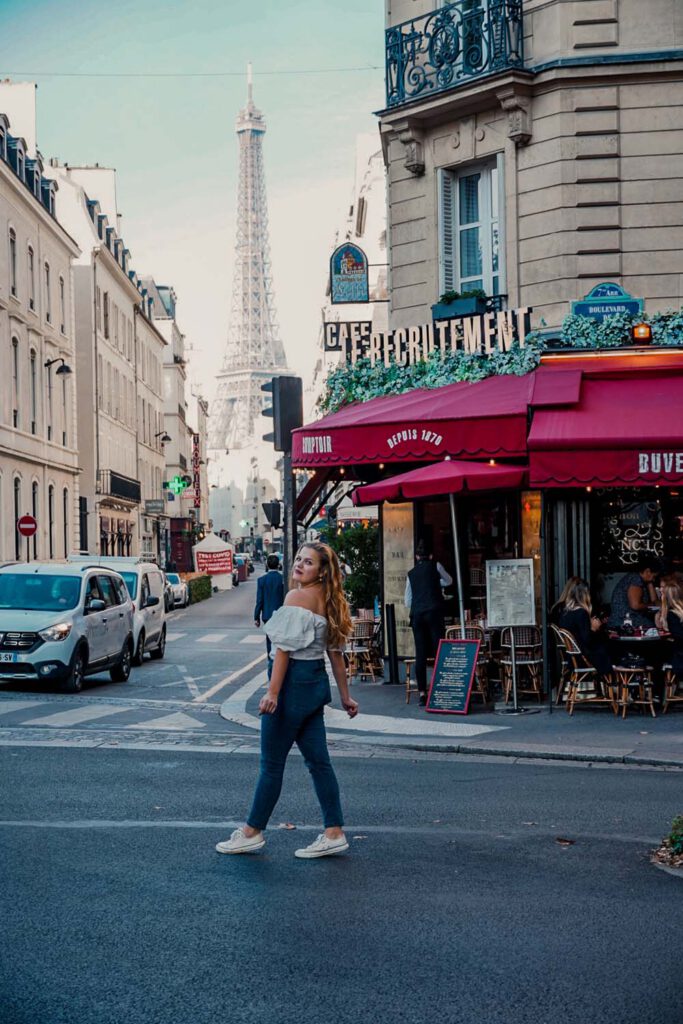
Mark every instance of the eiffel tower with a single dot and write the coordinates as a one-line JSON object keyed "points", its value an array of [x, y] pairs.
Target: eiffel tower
{"points": [[254, 352]]}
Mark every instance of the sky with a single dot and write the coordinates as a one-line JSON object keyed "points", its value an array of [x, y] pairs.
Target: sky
{"points": [[172, 140]]}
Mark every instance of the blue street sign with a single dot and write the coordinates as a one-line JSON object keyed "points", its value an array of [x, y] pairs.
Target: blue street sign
{"points": [[607, 299], [349, 274]]}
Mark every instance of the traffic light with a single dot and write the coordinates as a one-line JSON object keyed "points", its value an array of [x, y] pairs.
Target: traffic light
{"points": [[332, 518], [271, 510], [286, 410]]}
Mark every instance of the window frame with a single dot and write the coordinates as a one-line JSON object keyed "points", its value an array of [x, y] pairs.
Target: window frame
{"points": [[31, 278], [13, 279], [16, 381], [33, 389], [48, 298]]}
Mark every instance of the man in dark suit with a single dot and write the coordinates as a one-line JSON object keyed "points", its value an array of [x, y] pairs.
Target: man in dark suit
{"points": [[270, 594]]}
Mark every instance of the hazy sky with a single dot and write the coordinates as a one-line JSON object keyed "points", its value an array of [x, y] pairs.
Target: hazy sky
{"points": [[172, 138]]}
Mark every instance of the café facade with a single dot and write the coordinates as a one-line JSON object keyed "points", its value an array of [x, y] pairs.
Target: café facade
{"points": [[596, 441]]}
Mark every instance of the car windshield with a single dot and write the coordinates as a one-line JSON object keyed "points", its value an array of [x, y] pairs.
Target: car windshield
{"points": [[131, 581], [173, 577], [39, 593]]}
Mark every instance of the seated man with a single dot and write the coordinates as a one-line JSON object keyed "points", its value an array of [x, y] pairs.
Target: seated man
{"points": [[635, 595]]}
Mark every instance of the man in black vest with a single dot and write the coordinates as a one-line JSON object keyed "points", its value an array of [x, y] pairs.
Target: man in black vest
{"points": [[424, 601]]}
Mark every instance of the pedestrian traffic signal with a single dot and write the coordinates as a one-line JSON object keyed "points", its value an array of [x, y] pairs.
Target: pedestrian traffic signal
{"points": [[286, 410], [332, 518], [272, 512]]}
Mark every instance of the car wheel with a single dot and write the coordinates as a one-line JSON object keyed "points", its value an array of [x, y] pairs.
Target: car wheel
{"points": [[158, 652], [74, 681], [140, 649], [119, 673]]}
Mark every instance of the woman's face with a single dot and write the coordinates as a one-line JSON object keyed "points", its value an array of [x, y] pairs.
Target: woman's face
{"points": [[307, 566]]}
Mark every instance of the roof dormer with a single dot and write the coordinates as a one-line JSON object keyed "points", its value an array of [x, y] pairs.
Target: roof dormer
{"points": [[16, 154]]}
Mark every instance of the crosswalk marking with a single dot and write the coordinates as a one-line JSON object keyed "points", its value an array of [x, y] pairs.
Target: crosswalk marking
{"points": [[170, 637], [7, 707], [212, 638], [176, 721], [77, 715], [253, 638]]}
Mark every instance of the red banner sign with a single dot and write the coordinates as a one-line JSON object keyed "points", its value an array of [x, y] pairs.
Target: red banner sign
{"points": [[213, 562]]}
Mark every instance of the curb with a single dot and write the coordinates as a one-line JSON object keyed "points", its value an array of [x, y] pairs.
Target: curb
{"points": [[552, 754]]}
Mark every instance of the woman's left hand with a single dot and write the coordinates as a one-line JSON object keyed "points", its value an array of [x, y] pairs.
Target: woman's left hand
{"points": [[350, 707]]}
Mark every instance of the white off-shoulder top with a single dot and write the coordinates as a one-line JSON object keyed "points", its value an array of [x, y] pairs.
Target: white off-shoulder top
{"points": [[300, 632]]}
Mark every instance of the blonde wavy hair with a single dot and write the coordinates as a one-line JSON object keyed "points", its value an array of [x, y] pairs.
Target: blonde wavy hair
{"points": [[339, 627], [672, 601], [577, 595]]}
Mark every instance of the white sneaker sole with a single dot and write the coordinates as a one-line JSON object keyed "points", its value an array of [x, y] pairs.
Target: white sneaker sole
{"points": [[313, 854], [223, 848]]}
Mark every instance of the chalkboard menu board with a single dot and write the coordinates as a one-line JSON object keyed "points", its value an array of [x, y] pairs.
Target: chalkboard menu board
{"points": [[510, 597], [451, 685]]}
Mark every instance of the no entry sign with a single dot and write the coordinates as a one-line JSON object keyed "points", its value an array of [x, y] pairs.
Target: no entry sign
{"points": [[27, 526]]}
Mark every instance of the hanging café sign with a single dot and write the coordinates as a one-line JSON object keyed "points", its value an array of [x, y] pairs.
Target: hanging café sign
{"points": [[483, 334]]}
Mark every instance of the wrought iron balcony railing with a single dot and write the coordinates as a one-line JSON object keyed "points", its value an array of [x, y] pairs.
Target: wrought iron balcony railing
{"points": [[115, 485], [451, 45]]}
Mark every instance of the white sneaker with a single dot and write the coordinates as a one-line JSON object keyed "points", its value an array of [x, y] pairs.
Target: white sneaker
{"points": [[239, 843], [323, 847]]}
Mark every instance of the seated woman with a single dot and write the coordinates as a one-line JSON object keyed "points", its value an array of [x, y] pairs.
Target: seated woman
{"points": [[635, 595], [555, 613], [672, 617], [586, 629]]}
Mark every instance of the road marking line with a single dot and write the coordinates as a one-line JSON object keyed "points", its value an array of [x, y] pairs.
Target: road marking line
{"points": [[229, 679], [170, 637], [76, 715], [212, 638], [175, 721], [192, 686], [18, 705], [253, 638]]}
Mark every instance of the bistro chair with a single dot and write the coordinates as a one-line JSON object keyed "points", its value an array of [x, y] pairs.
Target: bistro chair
{"points": [[478, 588], [358, 651], [583, 683], [565, 663], [481, 680], [411, 684], [635, 688], [673, 688], [528, 660], [377, 647]]}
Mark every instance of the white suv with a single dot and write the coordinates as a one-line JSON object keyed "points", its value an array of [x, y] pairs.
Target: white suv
{"points": [[145, 582], [60, 623]]}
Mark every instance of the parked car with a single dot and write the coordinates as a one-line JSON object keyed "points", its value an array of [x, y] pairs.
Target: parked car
{"points": [[60, 623], [179, 590], [242, 567], [145, 583], [168, 594]]}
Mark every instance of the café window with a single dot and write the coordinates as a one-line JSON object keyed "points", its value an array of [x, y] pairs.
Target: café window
{"points": [[471, 239]]}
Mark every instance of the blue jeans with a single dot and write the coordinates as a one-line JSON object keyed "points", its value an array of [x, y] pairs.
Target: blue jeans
{"points": [[297, 719]]}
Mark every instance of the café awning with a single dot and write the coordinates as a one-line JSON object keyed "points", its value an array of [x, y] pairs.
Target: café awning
{"points": [[622, 431], [485, 419], [447, 477]]}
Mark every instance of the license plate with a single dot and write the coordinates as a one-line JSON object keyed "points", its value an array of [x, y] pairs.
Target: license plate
{"points": [[9, 657]]}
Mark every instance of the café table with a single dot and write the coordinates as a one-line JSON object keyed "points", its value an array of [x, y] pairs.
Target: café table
{"points": [[636, 684]]}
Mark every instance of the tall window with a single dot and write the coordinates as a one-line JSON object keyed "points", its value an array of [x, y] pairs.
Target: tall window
{"points": [[48, 299], [98, 308], [34, 513], [105, 309], [51, 520], [13, 261], [100, 383], [470, 224], [50, 402], [65, 520], [34, 390], [15, 382], [62, 306], [17, 515], [65, 413], [31, 279]]}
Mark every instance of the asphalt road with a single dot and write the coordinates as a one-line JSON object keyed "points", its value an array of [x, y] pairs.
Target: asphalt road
{"points": [[456, 902]]}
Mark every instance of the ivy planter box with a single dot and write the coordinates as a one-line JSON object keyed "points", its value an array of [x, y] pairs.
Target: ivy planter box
{"points": [[460, 307]]}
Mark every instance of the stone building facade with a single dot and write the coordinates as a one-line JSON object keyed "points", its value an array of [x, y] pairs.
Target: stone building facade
{"points": [[534, 149], [39, 470]]}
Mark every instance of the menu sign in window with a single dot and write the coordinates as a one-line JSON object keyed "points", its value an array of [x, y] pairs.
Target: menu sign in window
{"points": [[510, 597], [451, 684]]}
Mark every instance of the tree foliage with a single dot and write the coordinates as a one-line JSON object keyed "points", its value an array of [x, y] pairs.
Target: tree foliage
{"points": [[358, 547]]}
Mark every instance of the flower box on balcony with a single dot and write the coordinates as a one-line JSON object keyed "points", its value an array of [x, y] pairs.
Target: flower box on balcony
{"points": [[470, 306]]}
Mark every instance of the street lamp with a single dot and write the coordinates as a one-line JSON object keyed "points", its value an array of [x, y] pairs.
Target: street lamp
{"points": [[162, 434], [64, 369]]}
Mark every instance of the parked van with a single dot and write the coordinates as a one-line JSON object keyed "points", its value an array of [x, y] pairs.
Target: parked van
{"points": [[145, 583]]}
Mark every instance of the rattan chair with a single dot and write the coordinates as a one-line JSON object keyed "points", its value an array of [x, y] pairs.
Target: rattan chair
{"points": [[584, 684], [359, 660], [528, 660], [481, 680], [673, 688]]}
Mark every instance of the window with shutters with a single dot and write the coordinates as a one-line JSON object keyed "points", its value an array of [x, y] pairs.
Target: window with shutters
{"points": [[471, 229]]}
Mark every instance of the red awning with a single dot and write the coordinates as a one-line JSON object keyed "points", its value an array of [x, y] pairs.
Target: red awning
{"points": [[448, 477], [620, 432], [486, 419]]}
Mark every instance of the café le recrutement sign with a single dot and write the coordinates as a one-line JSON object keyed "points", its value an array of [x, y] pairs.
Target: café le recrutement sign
{"points": [[483, 333]]}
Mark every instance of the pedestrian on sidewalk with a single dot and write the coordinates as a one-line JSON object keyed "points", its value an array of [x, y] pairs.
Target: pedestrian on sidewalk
{"points": [[315, 618], [270, 595], [424, 600]]}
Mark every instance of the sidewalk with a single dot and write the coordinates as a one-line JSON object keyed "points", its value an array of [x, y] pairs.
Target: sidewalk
{"points": [[590, 734]]}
